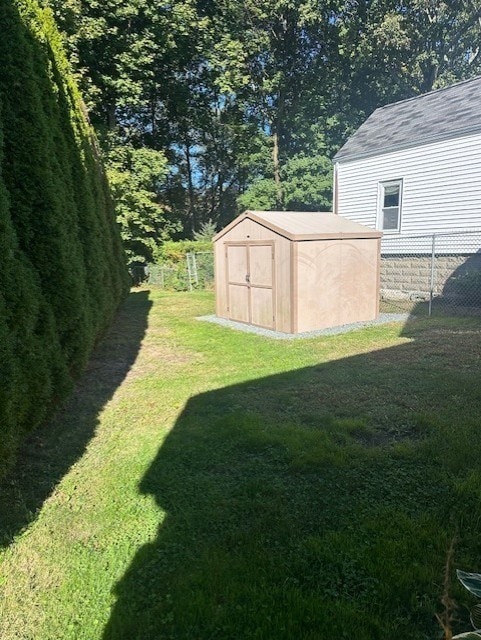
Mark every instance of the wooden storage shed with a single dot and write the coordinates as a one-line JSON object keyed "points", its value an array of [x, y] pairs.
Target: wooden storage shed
{"points": [[296, 271]]}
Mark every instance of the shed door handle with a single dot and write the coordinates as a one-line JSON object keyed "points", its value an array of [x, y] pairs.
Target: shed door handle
{"points": [[248, 278]]}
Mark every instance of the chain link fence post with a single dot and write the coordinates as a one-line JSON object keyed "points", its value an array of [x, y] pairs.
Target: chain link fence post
{"points": [[189, 271], [431, 285]]}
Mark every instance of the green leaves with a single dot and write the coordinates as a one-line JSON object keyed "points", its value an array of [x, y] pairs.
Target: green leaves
{"points": [[307, 183], [249, 101], [136, 179], [62, 268]]}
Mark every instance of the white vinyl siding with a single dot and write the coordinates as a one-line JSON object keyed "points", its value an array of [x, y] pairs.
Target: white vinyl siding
{"points": [[441, 189]]}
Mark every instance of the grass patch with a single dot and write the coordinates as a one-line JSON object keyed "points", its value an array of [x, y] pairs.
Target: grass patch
{"points": [[206, 483]]}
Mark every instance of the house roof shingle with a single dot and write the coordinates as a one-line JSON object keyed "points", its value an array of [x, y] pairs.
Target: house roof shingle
{"points": [[445, 113]]}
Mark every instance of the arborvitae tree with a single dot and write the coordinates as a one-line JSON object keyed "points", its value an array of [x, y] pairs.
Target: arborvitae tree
{"points": [[62, 269]]}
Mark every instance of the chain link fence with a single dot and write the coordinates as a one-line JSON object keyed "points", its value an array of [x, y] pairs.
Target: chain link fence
{"points": [[435, 274], [432, 274], [195, 272]]}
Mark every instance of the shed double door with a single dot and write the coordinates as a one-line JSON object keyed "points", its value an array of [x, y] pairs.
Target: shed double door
{"points": [[250, 283]]}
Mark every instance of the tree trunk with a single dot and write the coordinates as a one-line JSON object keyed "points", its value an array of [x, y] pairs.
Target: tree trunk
{"points": [[276, 136], [277, 173], [191, 213], [153, 113], [111, 117]]}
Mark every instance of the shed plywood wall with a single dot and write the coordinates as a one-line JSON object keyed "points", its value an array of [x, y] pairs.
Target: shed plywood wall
{"points": [[337, 282], [360, 262], [249, 231]]}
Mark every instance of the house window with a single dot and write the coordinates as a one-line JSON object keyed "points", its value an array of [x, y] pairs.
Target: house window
{"points": [[390, 196]]}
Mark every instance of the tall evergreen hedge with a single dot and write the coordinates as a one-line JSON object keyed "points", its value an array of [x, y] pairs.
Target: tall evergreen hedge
{"points": [[62, 267]]}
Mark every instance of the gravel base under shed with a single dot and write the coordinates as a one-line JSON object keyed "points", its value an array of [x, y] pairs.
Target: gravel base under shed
{"points": [[384, 318]]}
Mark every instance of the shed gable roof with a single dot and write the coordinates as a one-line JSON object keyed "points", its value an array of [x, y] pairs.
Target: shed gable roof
{"points": [[438, 115], [305, 225]]}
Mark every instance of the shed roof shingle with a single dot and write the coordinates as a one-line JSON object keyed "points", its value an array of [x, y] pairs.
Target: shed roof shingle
{"points": [[303, 225], [445, 113]]}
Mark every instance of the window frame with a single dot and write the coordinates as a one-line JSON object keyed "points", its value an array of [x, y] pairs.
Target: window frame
{"points": [[380, 202]]}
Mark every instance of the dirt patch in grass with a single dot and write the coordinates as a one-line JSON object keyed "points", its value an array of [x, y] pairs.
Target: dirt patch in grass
{"points": [[156, 359]]}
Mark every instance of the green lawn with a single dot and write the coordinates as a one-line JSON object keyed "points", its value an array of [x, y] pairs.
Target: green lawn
{"points": [[204, 483]]}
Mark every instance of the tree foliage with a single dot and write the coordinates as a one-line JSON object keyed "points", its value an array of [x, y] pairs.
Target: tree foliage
{"points": [[62, 267], [136, 177], [248, 101], [307, 184]]}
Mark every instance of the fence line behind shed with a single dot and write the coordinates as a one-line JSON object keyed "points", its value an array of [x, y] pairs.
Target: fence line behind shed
{"points": [[432, 274], [195, 272], [428, 274]]}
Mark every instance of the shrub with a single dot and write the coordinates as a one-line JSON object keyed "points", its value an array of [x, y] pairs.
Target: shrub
{"points": [[171, 271], [467, 287], [62, 271], [175, 252]]}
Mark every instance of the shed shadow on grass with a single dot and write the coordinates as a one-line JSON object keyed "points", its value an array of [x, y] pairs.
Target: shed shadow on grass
{"points": [[315, 504], [52, 449]]}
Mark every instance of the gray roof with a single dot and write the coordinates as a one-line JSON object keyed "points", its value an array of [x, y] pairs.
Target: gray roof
{"points": [[445, 113]]}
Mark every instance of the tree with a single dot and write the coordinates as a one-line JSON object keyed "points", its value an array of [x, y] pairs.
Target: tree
{"points": [[389, 51], [242, 96], [62, 271], [136, 178], [267, 55], [307, 184]]}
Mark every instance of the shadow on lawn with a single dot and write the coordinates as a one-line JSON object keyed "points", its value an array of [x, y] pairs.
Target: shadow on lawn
{"points": [[50, 452], [297, 507]]}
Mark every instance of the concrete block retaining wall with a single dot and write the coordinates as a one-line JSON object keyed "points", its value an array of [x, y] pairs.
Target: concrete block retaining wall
{"points": [[409, 276]]}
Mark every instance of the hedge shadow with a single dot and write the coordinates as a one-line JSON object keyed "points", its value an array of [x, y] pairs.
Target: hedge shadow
{"points": [[53, 448]]}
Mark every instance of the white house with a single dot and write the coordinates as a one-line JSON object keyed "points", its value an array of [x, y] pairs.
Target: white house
{"points": [[414, 169]]}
